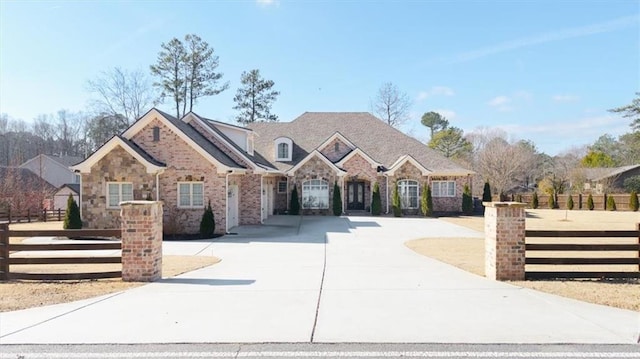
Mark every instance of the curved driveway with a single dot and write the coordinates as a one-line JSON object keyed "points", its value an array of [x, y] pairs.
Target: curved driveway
{"points": [[324, 279]]}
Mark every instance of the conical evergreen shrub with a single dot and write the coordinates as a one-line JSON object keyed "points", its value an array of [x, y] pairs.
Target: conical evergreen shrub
{"points": [[337, 200], [208, 222], [467, 200], [633, 201], [395, 202], [570, 202], [426, 201], [611, 203], [534, 200], [590, 204], [72, 218], [376, 203], [294, 202], [486, 193]]}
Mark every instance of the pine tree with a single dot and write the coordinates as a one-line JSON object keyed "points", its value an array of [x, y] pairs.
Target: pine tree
{"points": [[534, 200], [467, 200], [395, 203], [486, 193], [426, 201], [611, 203], [72, 218], [570, 202], [337, 200], [633, 201], [376, 203], [294, 205], [590, 204], [208, 223]]}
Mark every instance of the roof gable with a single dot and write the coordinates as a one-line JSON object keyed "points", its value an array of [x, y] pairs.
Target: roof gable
{"points": [[318, 154], [360, 153], [408, 159], [152, 165]]}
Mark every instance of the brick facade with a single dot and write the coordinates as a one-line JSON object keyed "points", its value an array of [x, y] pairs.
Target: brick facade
{"points": [[315, 168], [504, 227], [359, 169], [334, 153], [141, 241]]}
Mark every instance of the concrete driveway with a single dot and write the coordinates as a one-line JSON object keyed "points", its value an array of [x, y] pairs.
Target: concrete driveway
{"points": [[323, 279]]}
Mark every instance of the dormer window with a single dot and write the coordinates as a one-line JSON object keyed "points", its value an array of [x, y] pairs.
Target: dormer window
{"points": [[283, 147]]}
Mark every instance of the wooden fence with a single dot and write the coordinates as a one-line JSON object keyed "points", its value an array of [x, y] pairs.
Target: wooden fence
{"points": [[7, 250], [584, 260], [579, 200], [29, 215]]}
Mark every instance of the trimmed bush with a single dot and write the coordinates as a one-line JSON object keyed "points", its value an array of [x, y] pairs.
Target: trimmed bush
{"points": [[534, 200], [590, 204], [208, 222], [337, 200], [611, 203], [570, 202], [376, 203], [294, 203], [519, 198], [486, 193], [72, 218], [467, 200], [426, 201], [395, 202], [552, 201], [633, 201]]}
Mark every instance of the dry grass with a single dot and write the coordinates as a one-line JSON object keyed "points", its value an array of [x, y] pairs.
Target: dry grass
{"points": [[468, 253], [27, 294]]}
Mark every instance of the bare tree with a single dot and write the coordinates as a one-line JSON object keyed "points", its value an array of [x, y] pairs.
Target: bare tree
{"points": [[391, 105], [122, 94]]}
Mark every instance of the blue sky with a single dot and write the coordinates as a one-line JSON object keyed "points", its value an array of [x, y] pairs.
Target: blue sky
{"points": [[541, 70]]}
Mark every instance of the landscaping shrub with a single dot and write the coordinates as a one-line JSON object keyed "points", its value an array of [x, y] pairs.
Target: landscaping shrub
{"points": [[534, 200], [376, 203], [72, 218], [486, 193], [208, 223], [552, 201], [294, 205], [590, 205], [611, 203], [337, 200], [395, 202], [570, 202], [519, 198], [467, 200], [633, 201], [426, 201]]}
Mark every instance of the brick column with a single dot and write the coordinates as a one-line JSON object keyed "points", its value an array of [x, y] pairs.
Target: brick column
{"points": [[504, 228], [141, 241]]}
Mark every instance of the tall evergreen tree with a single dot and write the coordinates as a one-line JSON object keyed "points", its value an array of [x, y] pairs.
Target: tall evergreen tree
{"points": [[72, 218], [467, 200], [534, 200], [395, 202], [376, 203], [486, 193], [590, 204], [254, 99], [294, 205], [426, 201], [337, 200]]}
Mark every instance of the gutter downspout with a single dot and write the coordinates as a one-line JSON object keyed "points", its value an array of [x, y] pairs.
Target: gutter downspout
{"points": [[226, 201], [262, 199], [387, 192], [158, 186]]}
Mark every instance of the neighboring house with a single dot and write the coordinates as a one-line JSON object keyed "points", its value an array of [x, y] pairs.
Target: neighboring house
{"points": [[22, 190], [600, 180], [248, 173], [61, 196], [54, 169]]}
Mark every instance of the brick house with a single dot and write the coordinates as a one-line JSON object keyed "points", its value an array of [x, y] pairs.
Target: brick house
{"points": [[248, 173]]}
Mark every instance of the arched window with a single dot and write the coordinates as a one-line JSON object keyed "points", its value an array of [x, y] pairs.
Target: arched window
{"points": [[283, 145], [315, 194], [408, 190]]}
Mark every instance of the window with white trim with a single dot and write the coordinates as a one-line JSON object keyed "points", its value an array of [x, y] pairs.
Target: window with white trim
{"points": [[282, 186], [315, 194], [118, 192], [283, 147], [443, 188], [408, 190], [190, 194]]}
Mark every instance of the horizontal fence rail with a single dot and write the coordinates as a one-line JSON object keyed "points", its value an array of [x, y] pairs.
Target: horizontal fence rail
{"points": [[569, 247], [7, 251], [32, 215]]}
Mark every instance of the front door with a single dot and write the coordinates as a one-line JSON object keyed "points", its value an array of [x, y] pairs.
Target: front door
{"points": [[355, 196]]}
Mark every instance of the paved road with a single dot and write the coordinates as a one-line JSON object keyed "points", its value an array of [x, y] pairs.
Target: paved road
{"points": [[328, 280]]}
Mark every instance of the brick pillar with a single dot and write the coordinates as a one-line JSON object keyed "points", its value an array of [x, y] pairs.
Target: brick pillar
{"points": [[504, 228], [141, 241]]}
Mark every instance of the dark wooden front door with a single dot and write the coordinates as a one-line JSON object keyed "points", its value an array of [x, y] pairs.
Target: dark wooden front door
{"points": [[355, 196]]}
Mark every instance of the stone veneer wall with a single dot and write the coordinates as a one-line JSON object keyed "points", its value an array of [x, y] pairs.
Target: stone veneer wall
{"points": [[117, 166], [330, 152], [359, 169], [184, 164], [315, 168], [141, 241], [504, 226], [449, 204], [407, 172]]}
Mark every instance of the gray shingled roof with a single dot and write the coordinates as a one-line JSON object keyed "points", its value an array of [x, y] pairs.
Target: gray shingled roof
{"points": [[599, 173], [202, 141], [26, 180], [67, 160], [380, 141], [141, 152]]}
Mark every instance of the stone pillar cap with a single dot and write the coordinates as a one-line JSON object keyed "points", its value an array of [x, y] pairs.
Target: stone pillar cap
{"points": [[137, 203], [505, 204]]}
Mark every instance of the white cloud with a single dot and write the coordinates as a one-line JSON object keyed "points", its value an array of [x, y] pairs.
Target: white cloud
{"points": [[587, 125], [565, 98], [563, 34], [435, 91], [499, 101], [449, 114]]}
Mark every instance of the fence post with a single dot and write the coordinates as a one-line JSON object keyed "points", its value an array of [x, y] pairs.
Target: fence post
{"points": [[59, 218], [141, 225], [638, 246], [4, 251], [9, 214], [44, 214], [504, 228]]}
